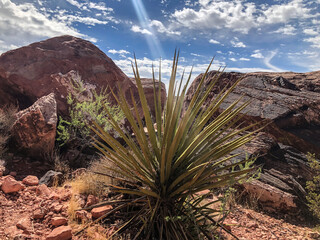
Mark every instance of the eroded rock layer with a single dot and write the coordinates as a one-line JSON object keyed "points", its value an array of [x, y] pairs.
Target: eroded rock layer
{"points": [[291, 103]]}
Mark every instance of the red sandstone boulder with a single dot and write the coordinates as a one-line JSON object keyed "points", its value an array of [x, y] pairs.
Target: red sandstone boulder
{"points": [[10, 185], [31, 180], [34, 130], [41, 68], [100, 211], [58, 221], [60, 233]]}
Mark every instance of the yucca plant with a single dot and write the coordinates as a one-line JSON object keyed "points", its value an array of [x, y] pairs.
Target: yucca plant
{"points": [[168, 168]]}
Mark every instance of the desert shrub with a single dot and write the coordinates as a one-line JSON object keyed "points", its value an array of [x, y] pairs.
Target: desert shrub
{"points": [[313, 186], [85, 104], [7, 118], [168, 171]]}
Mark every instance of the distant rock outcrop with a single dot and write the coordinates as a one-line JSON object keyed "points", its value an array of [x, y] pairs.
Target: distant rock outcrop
{"points": [[147, 84], [291, 102], [33, 71]]}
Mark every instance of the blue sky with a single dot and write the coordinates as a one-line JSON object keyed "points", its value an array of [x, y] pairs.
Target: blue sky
{"points": [[244, 35]]}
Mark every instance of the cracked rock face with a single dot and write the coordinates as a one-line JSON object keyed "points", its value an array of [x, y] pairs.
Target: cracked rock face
{"points": [[291, 102]]}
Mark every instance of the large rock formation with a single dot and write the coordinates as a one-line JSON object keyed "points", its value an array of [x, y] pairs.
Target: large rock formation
{"points": [[33, 71], [291, 102]]}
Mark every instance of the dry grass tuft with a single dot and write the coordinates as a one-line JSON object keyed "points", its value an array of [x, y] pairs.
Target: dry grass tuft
{"points": [[88, 183], [73, 206], [7, 118]]}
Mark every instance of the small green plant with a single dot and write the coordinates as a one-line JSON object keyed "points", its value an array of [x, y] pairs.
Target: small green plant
{"points": [[169, 170], [85, 104], [313, 186]]}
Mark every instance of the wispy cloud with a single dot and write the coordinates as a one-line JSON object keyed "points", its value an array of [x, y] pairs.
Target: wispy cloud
{"points": [[267, 61]]}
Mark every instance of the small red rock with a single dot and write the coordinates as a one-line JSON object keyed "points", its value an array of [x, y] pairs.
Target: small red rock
{"points": [[83, 216], [43, 190], [10, 185], [91, 200], [24, 224], [13, 174], [100, 211], [60, 233], [58, 208], [38, 214], [58, 221], [30, 180], [252, 225], [54, 196]]}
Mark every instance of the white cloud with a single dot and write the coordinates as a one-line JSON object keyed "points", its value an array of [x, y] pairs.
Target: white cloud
{"points": [[310, 31], [286, 30], [283, 13], [257, 54], [101, 6], [246, 70], [233, 59], [196, 55], [237, 44], [217, 15], [314, 40], [21, 24], [214, 41], [75, 3], [121, 52], [138, 29], [244, 59], [85, 20], [162, 29], [239, 16]]}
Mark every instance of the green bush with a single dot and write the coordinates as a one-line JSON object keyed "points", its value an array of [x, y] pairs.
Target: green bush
{"points": [[313, 187], [169, 170], [85, 105]]}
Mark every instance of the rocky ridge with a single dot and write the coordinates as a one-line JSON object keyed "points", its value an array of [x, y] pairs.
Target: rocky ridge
{"points": [[290, 102]]}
